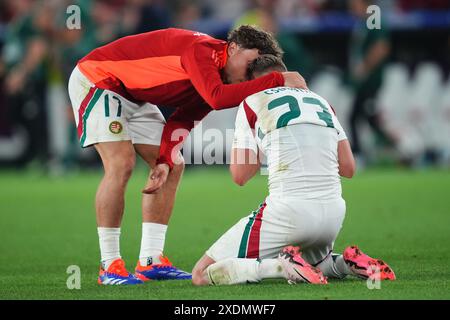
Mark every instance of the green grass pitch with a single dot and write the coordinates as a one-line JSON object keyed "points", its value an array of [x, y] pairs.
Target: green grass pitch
{"points": [[47, 224]]}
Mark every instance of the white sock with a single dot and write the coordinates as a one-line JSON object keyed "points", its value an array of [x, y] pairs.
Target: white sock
{"points": [[233, 271], [237, 271], [152, 243], [270, 269], [109, 245], [334, 266]]}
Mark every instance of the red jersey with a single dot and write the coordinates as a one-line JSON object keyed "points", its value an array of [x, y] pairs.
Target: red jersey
{"points": [[173, 68]]}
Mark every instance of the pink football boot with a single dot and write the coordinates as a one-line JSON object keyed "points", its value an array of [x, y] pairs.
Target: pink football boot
{"points": [[365, 267], [298, 270]]}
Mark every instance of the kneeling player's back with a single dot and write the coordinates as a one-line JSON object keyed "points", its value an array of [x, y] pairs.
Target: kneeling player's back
{"points": [[298, 132]]}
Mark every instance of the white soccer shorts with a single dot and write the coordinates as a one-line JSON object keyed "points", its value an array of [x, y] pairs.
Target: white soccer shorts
{"points": [[278, 222], [105, 116]]}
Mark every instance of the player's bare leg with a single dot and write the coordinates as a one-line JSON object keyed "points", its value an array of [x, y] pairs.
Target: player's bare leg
{"points": [[157, 208], [156, 212], [199, 274], [118, 160], [289, 265], [235, 271]]}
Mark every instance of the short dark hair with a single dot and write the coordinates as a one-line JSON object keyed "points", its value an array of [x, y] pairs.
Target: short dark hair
{"points": [[251, 37], [265, 63]]}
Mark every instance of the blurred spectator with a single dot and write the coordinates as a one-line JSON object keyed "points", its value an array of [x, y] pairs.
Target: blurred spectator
{"points": [[37, 57], [24, 56], [101, 22], [187, 12], [423, 4], [4, 123], [220, 9], [369, 53], [262, 13], [145, 15]]}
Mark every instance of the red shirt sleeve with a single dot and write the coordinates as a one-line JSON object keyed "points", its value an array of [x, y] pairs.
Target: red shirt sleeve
{"points": [[177, 128], [205, 76]]}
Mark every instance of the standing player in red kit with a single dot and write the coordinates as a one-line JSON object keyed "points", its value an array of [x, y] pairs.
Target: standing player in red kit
{"points": [[114, 92]]}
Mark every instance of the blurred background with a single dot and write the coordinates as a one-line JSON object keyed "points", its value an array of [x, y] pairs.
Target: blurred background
{"points": [[390, 87]]}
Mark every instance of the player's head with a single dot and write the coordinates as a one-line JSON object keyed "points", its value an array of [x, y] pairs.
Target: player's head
{"points": [[245, 44], [265, 64]]}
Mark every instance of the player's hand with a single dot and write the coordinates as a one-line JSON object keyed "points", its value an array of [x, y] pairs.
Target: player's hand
{"points": [[294, 80], [158, 177]]}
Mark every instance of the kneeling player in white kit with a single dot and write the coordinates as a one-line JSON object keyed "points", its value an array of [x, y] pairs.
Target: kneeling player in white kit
{"points": [[307, 151]]}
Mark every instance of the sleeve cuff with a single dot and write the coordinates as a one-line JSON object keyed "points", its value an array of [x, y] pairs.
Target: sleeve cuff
{"points": [[279, 78], [163, 159]]}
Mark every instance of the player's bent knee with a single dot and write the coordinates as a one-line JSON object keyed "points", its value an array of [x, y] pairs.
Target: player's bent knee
{"points": [[121, 169], [118, 159]]}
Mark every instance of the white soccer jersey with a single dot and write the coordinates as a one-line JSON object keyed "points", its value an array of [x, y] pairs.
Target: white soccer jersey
{"points": [[298, 132]]}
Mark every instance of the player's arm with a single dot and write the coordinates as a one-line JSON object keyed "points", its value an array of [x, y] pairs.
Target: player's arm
{"points": [[175, 131], [346, 160], [245, 161], [34, 55], [244, 165], [177, 128], [205, 77]]}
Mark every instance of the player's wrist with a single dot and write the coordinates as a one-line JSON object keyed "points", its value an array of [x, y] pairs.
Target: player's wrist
{"points": [[164, 160]]}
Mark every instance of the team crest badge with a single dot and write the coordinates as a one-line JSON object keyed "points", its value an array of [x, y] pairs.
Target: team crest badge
{"points": [[115, 127]]}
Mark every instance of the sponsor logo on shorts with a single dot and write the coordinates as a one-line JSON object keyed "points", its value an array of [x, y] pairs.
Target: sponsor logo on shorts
{"points": [[115, 127]]}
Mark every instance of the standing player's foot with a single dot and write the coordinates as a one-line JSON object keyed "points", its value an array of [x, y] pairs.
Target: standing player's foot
{"points": [[365, 267], [160, 271], [116, 274], [296, 269]]}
